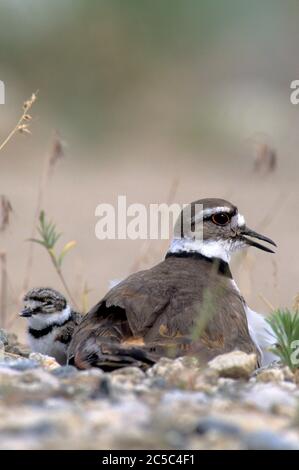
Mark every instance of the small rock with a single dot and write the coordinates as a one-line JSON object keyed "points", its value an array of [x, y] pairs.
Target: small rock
{"points": [[181, 372], [64, 372], [219, 425], [235, 364], [267, 440], [2, 351], [268, 397], [84, 384], [19, 349], [20, 364], [206, 381], [12, 345], [47, 362], [289, 376], [127, 378], [289, 386], [35, 384], [174, 398], [12, 339], [270, 375], [132, 374], [165, 367], [3, 337]]}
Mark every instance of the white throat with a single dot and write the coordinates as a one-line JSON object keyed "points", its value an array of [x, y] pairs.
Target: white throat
{"points": [[42, 320], [212, 249]]}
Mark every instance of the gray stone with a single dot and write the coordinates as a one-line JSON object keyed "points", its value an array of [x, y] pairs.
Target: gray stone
{"points": [[64, 371], [176, 404], [267, 396], [270, 375], [3, 337], [28, 385], [20, 364], [267, 440], [235, 364], [219, 425]]}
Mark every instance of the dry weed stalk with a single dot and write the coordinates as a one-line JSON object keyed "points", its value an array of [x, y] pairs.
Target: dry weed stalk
{"points": [[55, 154], [85, 298], [265, 161], [4, 293], [22, 125], [246, 260], [296, 303], [267, 302], [48, 239], [146, 248], [5, 210]]}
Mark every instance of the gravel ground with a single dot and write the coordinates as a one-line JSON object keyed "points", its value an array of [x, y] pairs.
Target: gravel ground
{"points": [[174, 405]]}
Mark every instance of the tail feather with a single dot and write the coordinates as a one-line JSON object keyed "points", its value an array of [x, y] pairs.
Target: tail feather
{"points": [[109, 356]]}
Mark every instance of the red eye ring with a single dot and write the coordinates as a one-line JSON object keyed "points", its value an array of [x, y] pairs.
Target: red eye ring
{"points": [[221, 218]]}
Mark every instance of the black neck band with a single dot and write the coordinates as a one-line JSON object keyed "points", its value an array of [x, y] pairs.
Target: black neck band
{"points": [[40, 333], [221, 266]]}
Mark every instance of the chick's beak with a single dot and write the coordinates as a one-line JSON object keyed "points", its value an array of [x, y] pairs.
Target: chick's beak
{"points": [[26, 312], [247, 232]]}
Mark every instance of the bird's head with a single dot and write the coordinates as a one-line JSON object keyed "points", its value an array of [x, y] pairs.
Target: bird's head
{"points": [[44, 306], [214, 228]]}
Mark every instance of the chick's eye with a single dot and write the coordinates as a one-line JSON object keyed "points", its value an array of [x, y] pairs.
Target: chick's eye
{"points": [[221, 218]]}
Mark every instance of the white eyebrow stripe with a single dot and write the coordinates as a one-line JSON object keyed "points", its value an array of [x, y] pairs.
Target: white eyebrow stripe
{"points": [[241, 220], [208, 212]]}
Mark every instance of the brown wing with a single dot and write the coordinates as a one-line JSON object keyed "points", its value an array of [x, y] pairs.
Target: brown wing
{"points": [[172, 309], [112, 333], [67, 331]]}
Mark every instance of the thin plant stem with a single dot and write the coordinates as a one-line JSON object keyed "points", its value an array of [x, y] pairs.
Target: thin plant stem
{"points": [[3, 302], [61, 277], [51, 156], [20, 126], [267, 302]]}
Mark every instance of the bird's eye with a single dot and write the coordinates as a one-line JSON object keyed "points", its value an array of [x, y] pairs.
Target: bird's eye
{"points": [[222, 218]]}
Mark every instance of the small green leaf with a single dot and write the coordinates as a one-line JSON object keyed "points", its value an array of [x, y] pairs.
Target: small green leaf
{"points": [[285, 325], [69, 246], [35, 240]]}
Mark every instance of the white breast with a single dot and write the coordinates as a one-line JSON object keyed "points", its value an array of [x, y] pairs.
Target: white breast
{"points": [[260, 332], [47, 345]]}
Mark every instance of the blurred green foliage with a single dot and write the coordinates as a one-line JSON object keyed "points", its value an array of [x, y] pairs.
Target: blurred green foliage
{"points": [[91, 60]]}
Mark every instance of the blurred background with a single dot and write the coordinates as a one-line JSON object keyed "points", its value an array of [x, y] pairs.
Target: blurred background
{"points": [[157, 100]]}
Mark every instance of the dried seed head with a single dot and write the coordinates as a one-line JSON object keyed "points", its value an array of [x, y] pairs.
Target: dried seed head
{"points": [[26, 105], [5, 210], [26, 131], [265, 160], [23, 129], [296, 303], [33, 97], [57, 150]]}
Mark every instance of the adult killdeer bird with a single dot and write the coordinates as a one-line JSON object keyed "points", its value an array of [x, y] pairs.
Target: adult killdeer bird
{"points": [[51, 322], [187, 304]]}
